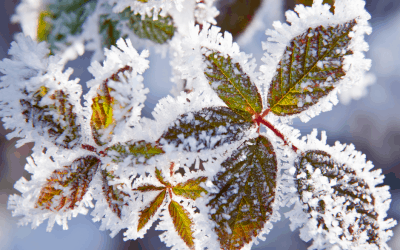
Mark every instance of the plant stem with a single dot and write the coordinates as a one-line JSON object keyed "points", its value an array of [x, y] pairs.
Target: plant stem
{"points": [[260, 119]]}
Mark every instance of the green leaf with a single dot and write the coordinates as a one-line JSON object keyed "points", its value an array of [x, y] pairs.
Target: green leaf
{"points": [[149, 211], [158, 31], [247, 191], [311, 67], [103, 106], [139, 150], [113, 195], [66, 187], [358, 196], [232, 85], [191, 189], [109, 31], [182, 222], [66, 19], [56, 120], [205, 129]]}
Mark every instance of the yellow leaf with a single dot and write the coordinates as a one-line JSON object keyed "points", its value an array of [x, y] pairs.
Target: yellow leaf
{"points": [[149, 212], [44, 27], [190, 189], [182, 222]]}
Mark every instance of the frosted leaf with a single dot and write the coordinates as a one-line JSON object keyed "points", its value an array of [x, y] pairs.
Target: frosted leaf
{"points": [[190, 53], [117, 95], [158, 31], [232, 85], [205, 129], [67, 19], [307, 20], [168, 193], [310, 67], [66, 187], [340, 204], [147, 7], [58, 190], [113, 195], [38, 100], [246, 193], [136, 150]]}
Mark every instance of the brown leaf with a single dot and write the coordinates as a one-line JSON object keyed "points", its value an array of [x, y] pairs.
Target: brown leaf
{"points": [[66, 187]]}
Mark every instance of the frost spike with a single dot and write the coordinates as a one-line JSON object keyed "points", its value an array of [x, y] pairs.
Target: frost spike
{"points": [[246, 193], [310, 68], [182, 222]]}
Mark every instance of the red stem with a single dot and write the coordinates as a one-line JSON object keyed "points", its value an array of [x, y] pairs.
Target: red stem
{"points": [[260, 119]]}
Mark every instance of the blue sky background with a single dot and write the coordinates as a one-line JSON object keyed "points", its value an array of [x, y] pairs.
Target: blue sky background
{"points": [[372, 124]]}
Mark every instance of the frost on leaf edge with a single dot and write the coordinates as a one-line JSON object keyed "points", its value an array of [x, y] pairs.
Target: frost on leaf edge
{"points": [[342, 153], [317, 15]]}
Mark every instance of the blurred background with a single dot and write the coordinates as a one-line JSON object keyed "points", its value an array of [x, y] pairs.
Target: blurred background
{"points": [[371, 123]]}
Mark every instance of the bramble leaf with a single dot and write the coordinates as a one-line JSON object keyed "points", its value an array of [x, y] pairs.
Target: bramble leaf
{"points": [[112, 194], [345, 183], [66, 19], [103, 107], [191, 189], [182, 222], [64, 188], [232, 85], [160, 178], [139, 150], [205, 129], [310, 68], [109, 31], [247, 191], [57, 119], [149, 211], [158, 31]]}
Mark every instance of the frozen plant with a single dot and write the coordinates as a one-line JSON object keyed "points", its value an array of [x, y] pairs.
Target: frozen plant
{"points": [[218, 161]]}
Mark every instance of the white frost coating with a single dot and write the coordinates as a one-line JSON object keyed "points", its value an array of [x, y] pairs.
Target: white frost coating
{"points": [[150, 8], [27, 14], [358, 90], [188, 60], [129, 92], [41, 166], [342, 154], [28, 69], [354, 65]]}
